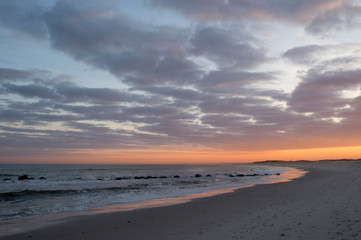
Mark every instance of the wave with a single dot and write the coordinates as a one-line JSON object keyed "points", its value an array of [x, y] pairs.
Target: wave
{"points": [[12, 196], [7, 175], [180, 182]]}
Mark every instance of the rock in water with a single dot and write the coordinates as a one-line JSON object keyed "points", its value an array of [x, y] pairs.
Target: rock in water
{"points": [[23, 177]]}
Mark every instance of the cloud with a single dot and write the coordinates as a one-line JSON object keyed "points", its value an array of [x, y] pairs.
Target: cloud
{"points": [[137, 54], [317, 16], [150, 111], [346, 17], [140, 54], [233, 82], [34, 114], [227, 47], [305, 54], [205, 85], [247, 9], [334, 57], [230, 105], [210, 10], [182, 117], [30, 90], [90, 136], [320, 93], [23, 17], [10, 74], [174, 92], [54, 88], [74, 93]]}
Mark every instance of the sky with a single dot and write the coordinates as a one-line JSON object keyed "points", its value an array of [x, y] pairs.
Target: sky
{"points": [[169, 81]]}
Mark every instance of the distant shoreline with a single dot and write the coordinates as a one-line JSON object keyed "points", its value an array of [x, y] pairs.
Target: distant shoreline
{"points": [[305, 161]]}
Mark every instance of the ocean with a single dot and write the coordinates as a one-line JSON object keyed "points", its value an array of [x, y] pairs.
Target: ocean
{"points": [[49, 189]]}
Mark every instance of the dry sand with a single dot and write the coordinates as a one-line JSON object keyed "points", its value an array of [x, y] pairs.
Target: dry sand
{"points": [[324, 204]]}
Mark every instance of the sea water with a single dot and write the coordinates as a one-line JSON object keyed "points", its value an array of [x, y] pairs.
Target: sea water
{"points": [[66, 188]]}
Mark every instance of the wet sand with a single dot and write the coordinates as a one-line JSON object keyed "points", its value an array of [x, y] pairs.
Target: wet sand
{"points": [[324, 204]]}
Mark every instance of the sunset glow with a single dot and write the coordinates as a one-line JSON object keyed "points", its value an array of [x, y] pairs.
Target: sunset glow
{"points": [[176, 82], [195, 156]]}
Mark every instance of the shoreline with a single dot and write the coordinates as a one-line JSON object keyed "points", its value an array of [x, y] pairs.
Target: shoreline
{"points": [[324, 204], [37, 222]]}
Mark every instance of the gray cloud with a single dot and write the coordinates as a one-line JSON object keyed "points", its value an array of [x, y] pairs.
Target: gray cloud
{"points": [[30, 90], [321, 92], [73, 93], [63, 91], [338, 57], [346, 17], [318, 17], [90, 136], [226, 47], [232, 82], [305, 54], [24, 17], [135, 53], [210, 10], [10, 74], [230, 105], [173, 92], [146, 55]]}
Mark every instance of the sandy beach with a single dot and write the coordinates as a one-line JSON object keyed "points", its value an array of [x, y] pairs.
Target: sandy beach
{"points": [[324, 204]]}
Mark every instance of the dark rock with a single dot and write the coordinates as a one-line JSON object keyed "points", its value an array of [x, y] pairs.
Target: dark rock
{"points": [[162, 177], [198, 175], [141, 177], [176, 176], [253, 175], [278, 174], [230, 175], [209, 175], [266, 174], [42, 178], [118, 178], [240, 175], [23, 177], [6, 179]]}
